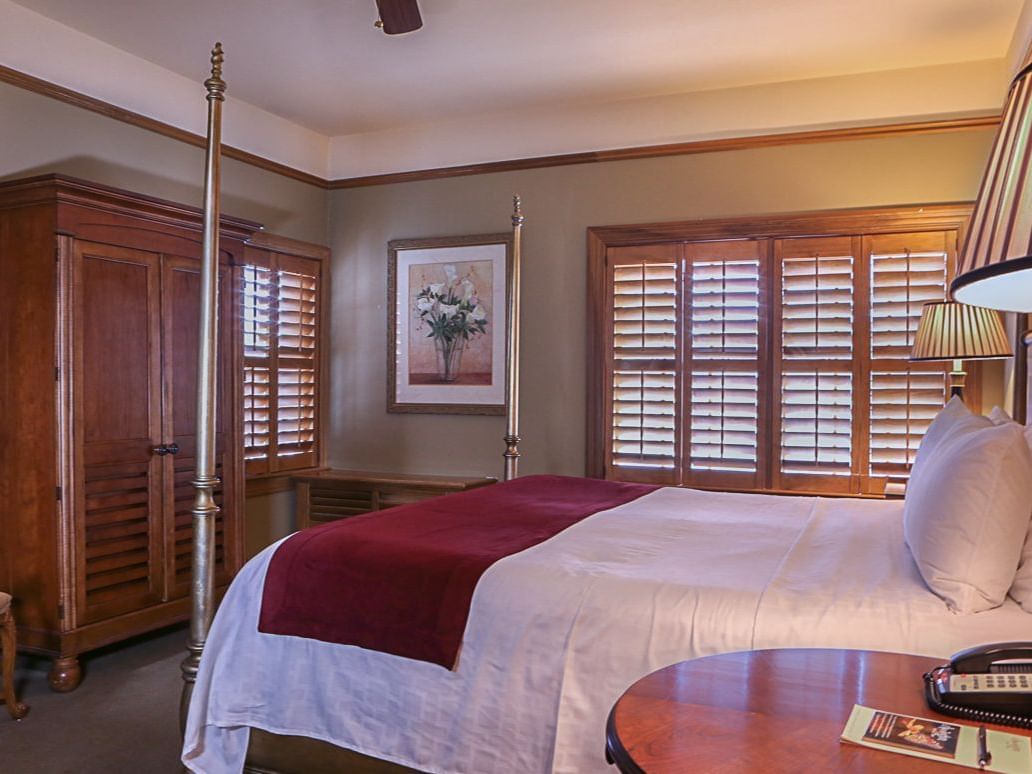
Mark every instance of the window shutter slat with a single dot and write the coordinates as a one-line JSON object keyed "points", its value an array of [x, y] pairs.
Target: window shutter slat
{"points": [[295, 415], [816, 422], [257, 412], [903, 401], [723, 420], [296, 322], [643, 420], [903, 405], [258, 299], [901, 282], [724, 298], [817, 307]]}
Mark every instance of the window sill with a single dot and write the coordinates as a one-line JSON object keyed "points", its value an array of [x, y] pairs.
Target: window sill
{"points": [[264, 484]]}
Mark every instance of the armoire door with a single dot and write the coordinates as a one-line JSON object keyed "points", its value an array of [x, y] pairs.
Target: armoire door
{"points": [[180, 304], [116, 355]]}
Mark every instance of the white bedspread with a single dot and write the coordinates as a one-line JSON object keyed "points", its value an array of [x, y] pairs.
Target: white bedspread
{"points": [[557, 632]]}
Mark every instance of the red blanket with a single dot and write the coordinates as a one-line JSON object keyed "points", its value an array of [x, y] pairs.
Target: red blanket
{"points": [[401, 580]]}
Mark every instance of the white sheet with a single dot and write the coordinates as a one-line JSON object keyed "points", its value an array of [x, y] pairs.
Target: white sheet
{"points": [[557, 632]]}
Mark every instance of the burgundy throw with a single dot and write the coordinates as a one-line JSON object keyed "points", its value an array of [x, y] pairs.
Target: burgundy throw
{"points": [[401, 580]]}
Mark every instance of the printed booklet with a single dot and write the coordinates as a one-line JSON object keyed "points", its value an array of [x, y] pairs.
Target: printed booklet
{"points": [[937, 740]]}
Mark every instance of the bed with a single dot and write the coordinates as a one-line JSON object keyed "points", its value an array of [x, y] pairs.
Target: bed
{"points": [[556, 631]]}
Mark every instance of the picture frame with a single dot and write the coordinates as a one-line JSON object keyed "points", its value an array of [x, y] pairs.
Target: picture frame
{"points": [[446, 324]]}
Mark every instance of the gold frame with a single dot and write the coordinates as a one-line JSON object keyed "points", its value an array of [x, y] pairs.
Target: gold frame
{"points": [[434, 243]]}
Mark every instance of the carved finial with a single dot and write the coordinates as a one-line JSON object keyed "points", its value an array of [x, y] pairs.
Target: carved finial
{"points": [[215, 85], [517, 213]]}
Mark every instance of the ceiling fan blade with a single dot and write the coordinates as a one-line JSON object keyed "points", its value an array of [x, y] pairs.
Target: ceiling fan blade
{"points": [[399, 16]]}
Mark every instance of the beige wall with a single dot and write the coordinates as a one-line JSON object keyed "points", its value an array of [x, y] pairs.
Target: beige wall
{"points": [[560, 203], [39, 135]]}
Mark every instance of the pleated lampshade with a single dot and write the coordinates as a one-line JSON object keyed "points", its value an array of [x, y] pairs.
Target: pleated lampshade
{"points": [[952, 331], [995, 264]]}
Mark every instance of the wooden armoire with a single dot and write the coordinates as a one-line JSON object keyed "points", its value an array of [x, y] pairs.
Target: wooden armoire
{"points": [[99, 297]]}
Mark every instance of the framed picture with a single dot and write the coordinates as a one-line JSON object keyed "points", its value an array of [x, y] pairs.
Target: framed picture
{"points": [[446, 324]]}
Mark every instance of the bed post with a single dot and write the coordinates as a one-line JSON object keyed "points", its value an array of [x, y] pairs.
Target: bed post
{"points": [[204, 508], [512, 404]]}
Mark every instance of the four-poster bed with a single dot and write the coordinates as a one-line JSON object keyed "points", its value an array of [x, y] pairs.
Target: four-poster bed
{"points": [[555, 629]]}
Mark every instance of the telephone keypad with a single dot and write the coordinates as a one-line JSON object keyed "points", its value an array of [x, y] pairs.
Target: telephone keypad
{"points": [[996, 683]]}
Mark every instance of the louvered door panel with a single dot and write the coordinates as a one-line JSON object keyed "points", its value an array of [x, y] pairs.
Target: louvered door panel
{"points": [[901, 282], [816, 423], [297, 358], [815, 369], [643, 381], [119, 558], [817, 305], [257, 299], [724, 291], [118, 397], [906, 270], [903, 405], [295, 411]]}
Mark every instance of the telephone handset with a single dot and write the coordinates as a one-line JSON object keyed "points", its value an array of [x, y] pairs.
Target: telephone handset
{"points": [[989, 684]]}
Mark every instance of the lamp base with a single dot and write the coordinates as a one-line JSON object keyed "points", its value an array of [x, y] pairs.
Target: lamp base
{"points": [[957, 378]]}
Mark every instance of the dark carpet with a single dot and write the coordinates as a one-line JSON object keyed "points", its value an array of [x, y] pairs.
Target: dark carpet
{"points": [[124, 717]]}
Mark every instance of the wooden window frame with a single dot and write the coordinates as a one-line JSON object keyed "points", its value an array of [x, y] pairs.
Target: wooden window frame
{"points": [[269, 475], [819, 223]]}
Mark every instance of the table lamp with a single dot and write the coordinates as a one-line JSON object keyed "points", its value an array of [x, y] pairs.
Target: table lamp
{"points": [[958, 332]]}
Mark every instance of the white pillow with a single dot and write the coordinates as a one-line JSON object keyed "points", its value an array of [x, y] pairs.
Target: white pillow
{"points": [[1021, 590], [966, 516], [954, 417]]}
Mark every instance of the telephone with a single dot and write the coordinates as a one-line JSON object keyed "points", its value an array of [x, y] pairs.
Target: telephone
{"points": [[989, 684]]}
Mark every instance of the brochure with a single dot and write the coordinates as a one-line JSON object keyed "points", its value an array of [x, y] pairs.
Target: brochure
{"points": [[938, 740]]}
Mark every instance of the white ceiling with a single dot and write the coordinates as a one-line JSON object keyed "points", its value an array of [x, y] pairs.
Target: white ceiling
{"points": [[322, 65]]}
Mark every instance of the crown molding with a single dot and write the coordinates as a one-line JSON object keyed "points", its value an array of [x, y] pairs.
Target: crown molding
{"points": [[46, 88], [679, 149], [86, 102]]}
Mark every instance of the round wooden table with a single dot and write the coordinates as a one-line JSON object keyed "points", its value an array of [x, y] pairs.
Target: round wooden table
{"points": [[766, 710]]}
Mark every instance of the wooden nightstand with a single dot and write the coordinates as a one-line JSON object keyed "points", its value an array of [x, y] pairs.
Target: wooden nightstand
{"points": [[769, 711], [328, 495]]}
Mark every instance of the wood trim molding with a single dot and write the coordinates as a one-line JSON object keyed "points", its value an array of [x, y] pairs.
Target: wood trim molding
{"points": [[289, 246], [46, 88], [678, 149], [86, 102], [869, 220], [267, 485], [45, 188]]}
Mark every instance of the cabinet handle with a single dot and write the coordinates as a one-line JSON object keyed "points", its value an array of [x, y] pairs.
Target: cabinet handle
{"points": [[173, 448], [161, 451]]}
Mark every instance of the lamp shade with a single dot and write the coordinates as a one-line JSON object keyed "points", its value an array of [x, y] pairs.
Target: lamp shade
{"points": [[952, 331], [995, 265]]}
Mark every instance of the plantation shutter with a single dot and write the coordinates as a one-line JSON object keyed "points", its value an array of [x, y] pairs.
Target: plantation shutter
{"points": [[724, 336], [816, 338], [769, 362], [280, 321], [644, 364], [906, 270]]}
